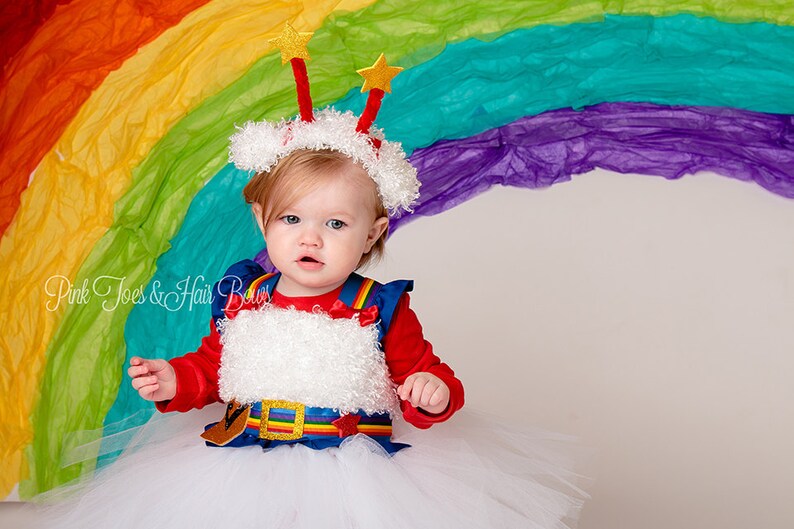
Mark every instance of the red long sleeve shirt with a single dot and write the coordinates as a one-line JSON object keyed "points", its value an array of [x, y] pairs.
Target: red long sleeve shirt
{"points": [[405, 349]]}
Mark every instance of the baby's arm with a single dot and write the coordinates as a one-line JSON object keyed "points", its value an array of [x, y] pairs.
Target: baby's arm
{"points": [[412, 363], [191, 380]]}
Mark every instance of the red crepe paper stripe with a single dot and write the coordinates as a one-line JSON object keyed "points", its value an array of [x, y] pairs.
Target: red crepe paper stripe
{"points": [[45, 84], [19, 21]]}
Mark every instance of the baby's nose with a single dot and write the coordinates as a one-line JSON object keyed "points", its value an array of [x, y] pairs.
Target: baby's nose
{"points": [[310, 237]]}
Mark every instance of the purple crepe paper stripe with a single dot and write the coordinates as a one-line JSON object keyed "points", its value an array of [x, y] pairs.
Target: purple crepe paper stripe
{"points": [[669, 141]]}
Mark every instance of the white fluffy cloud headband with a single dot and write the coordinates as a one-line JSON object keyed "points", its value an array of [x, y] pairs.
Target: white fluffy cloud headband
{"points": [[259, 146]]}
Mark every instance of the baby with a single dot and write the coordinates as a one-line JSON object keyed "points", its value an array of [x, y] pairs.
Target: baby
{"points": [[322, 218]]}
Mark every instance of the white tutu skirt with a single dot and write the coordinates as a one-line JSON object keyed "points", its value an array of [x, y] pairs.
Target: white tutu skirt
{"points": [[471, 472]]}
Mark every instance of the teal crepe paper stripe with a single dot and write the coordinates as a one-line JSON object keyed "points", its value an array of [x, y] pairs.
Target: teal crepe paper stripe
{"points": [[473, 86], [682, 60]]}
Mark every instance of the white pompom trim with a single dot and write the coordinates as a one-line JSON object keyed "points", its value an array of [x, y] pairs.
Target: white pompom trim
{"points": [[258, 146]]}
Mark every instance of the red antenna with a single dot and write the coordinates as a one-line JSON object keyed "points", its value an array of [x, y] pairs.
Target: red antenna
{"points": [[293, 50], [377, 80]]}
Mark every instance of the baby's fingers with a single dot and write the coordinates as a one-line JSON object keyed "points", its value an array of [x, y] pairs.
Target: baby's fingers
{"points": [[140, 383], [137, 371], [418, 388], [431, 388], [147, 392], [439, 395], [404, 389]]}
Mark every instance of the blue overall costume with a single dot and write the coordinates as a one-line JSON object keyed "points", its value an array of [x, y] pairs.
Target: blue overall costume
{"points": [[274, 423]]}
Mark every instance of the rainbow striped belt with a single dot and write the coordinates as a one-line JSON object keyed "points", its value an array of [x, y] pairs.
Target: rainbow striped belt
{"points": [[271, 423], [288, 421]]}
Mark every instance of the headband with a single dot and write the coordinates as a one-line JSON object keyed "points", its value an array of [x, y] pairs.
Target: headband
{"points": [[259, 146]]}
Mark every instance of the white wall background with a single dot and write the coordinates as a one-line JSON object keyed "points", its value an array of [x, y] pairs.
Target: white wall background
{"points": [[652, 318]]}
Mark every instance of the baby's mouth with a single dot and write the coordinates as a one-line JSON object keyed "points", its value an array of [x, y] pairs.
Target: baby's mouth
{"points": [[307, 262]]}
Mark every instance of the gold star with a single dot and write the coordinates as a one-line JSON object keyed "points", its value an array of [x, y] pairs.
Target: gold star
{"points": [[379, 75], [292, 44]]}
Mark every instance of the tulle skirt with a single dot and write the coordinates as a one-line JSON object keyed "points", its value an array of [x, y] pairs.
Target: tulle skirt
{"points": [[471, 472]]}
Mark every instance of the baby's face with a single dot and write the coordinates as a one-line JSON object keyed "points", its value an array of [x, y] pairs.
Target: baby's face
{"points": [[317, 242]]}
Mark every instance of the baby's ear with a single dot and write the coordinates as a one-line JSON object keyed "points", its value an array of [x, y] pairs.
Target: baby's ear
{"points": [[256, 209], [377, 229]]}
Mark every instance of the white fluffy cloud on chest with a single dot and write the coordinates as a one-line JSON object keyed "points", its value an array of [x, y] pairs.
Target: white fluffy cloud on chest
{"points": [[275, 353]]}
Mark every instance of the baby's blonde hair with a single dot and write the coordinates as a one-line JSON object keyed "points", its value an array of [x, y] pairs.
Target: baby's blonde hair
{"points": [[298, 174]]}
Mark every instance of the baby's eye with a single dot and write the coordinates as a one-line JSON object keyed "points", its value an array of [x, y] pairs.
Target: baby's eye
{"points": [[335, 224], [290, 219]]}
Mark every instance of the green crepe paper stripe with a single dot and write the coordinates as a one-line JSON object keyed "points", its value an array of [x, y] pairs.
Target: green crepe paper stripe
{"points": [[87, 351], [173, 332]]}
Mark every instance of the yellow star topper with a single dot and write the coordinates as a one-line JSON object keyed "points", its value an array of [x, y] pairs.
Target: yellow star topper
{"points": [[379, 75], [292, 44]]}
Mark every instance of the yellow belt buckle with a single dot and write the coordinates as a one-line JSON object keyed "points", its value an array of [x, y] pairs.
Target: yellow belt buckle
{"points": [[297, 428]]}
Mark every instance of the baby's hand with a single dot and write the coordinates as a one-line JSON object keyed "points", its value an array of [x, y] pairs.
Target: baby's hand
{"points": [[426, 391], [153, 379]]}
